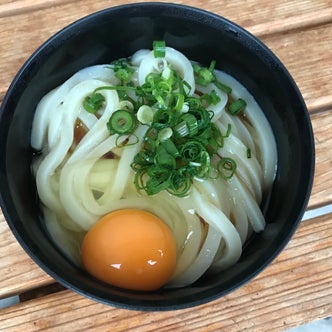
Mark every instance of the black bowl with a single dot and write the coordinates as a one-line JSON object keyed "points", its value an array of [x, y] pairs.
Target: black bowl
{"points": [[202, 36]]}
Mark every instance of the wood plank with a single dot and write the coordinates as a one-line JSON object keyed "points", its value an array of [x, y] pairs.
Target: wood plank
{"points": [[294, 289], [307, 54], [272, 18], [285, 23], [322, 189], [20, 273], [11, 8]]}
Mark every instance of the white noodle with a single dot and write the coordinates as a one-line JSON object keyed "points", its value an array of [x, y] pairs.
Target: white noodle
{"points": [[265, 139], [202, 262], [78, 184]]}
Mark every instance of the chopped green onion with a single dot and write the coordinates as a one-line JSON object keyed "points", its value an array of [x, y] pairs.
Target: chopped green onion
{"points": [[170, 147], [228, 131], [159, 179], [132, 140], [215, 99], [164, 118], [185, 107], [181, 138], [181, 129], [121, 122], [94, 102], [178, 100], [141, 159], [248, 153], [203, 118], [212, 65], [116, 88], [124, 74], [163, 88], [145, 114], [191, 150], [182, 89], [187, 127], [180, 183], [120, 63], [204, 165], [210, 98], [163, 158], [126, 105], [159, 48], [226, 167], [223, 87], [194, 103], [204, 76], [122, 69], [191, 123], [150, 140], [165, 133], [237, 106], [217, 135]]}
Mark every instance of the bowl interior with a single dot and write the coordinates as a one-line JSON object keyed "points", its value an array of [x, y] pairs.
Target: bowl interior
{"points": [[201, 36]]}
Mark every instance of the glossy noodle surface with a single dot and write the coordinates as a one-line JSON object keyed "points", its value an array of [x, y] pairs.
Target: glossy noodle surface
{"points": [[85, 171]]}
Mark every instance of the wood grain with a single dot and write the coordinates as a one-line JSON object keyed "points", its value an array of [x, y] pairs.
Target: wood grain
{"points": [[250, 12], [307, 54], [297, 287], [322, 189], [292, 290], [18, 272]]}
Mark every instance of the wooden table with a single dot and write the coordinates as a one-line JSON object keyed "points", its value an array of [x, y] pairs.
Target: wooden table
{"points": [[296, 288]]}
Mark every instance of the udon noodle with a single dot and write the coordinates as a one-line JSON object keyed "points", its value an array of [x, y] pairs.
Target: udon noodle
{"points": [[82, 172]]}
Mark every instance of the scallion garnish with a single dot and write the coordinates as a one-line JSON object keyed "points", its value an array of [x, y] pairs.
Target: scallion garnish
{"points": [[204, 76], [145, 114], [237, 106], [170, 147], [122, 122], [181, 138], [164, 134], [123, 70], [94, 102], [159, 48], [226, 167], [223, 87], [248, 153]]}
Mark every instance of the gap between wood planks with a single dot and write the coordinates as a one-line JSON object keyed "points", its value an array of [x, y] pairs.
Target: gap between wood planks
{"points": [[317, 212]]}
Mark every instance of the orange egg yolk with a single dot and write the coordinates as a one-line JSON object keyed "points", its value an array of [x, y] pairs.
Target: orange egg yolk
{"points": [[130, 249]]}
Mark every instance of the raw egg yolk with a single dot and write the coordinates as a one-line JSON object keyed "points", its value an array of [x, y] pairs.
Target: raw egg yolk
{"points": [[130, 249]]}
